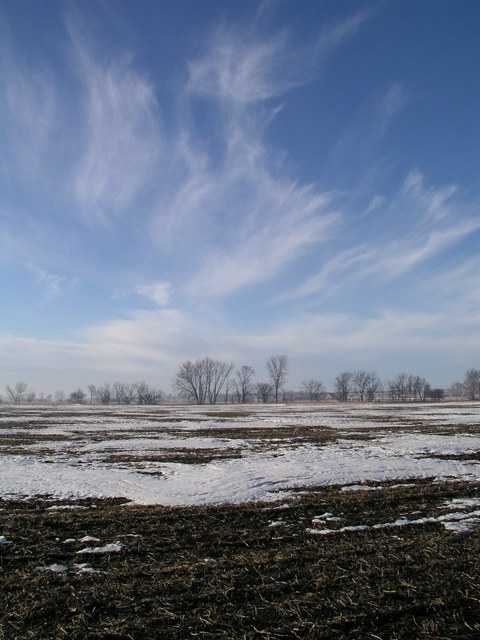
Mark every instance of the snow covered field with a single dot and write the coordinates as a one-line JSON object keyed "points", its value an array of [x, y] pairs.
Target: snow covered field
{"points": [[184, 455]]}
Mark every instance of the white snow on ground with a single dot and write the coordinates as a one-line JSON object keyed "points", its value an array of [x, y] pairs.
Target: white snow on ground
{"points": [[89, 539], [63, 568], [113, 547], [54, 568], [74, 467], [457, 522], [66, 507]]}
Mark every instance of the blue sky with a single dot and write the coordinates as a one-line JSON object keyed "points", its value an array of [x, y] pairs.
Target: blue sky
{"points": [[238, 179]]}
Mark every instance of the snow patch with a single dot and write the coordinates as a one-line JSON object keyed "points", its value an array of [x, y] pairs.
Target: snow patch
{"points": [[113, 547], [456, 522], [54, 568], [62, 568], [361, 487], [65, 507]]}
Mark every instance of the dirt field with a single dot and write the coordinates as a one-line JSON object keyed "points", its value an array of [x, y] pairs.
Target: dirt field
{"points": [[243, 571]]}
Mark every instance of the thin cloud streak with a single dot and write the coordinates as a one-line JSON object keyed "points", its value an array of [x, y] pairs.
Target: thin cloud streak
{"points": [[121, 137], [334, 35], [418, 224], [29, 111], [391, 104], [52, 283], [159, 292], [245, 69], [350, 336]]}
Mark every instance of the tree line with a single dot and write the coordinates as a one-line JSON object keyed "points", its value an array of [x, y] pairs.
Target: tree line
{"points": [[108, 393], [366, 386], [210, 381]]}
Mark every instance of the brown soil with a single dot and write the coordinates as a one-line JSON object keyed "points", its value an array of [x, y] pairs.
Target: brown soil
{"points": [[226, 572]]}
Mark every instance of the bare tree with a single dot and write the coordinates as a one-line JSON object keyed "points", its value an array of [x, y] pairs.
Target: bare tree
{"points": [[277, 367], [189, 383], [360, 381], [343, 386], [419, 388], [228, 387], [393, 390], [217, 374], [141, 392], [408, 388], [471, 383], [123, 393], [397, 388], [104, 393], [402, 387], [374, 386], [129, 392], [77, 397], [456, 390], [264, 391], [93, 391], [117, 392], [144, 393], [203, 380], [314, 388], [243, 383], [59, 396], [17, 393]]}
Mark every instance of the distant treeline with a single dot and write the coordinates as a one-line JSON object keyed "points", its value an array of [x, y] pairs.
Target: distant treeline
{"points": [[209, 381]]}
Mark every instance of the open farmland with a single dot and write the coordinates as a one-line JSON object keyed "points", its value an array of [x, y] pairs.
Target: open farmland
{"points": [[321, 521]]}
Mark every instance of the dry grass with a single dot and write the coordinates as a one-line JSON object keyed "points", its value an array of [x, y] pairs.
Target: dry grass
{"points": [[224, 572], [182, 456]]}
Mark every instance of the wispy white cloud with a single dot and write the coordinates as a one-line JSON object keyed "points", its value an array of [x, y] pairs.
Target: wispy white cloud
{"points": [[244, 68], [373, 121], [236, 215], [403, 259], [152, 344], [28, 105], [121, 142], [391, 104], [52, 283], [276, 230], [333, 35], [240, 70], [335, 274], [159, 292], [457, 287], [418, 224], [143, 344], [376, 202], [384, 341], [144, 338], [253, 217]]}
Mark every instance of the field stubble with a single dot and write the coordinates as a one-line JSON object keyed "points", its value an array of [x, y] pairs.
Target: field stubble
{"points": [[244, 571]]}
